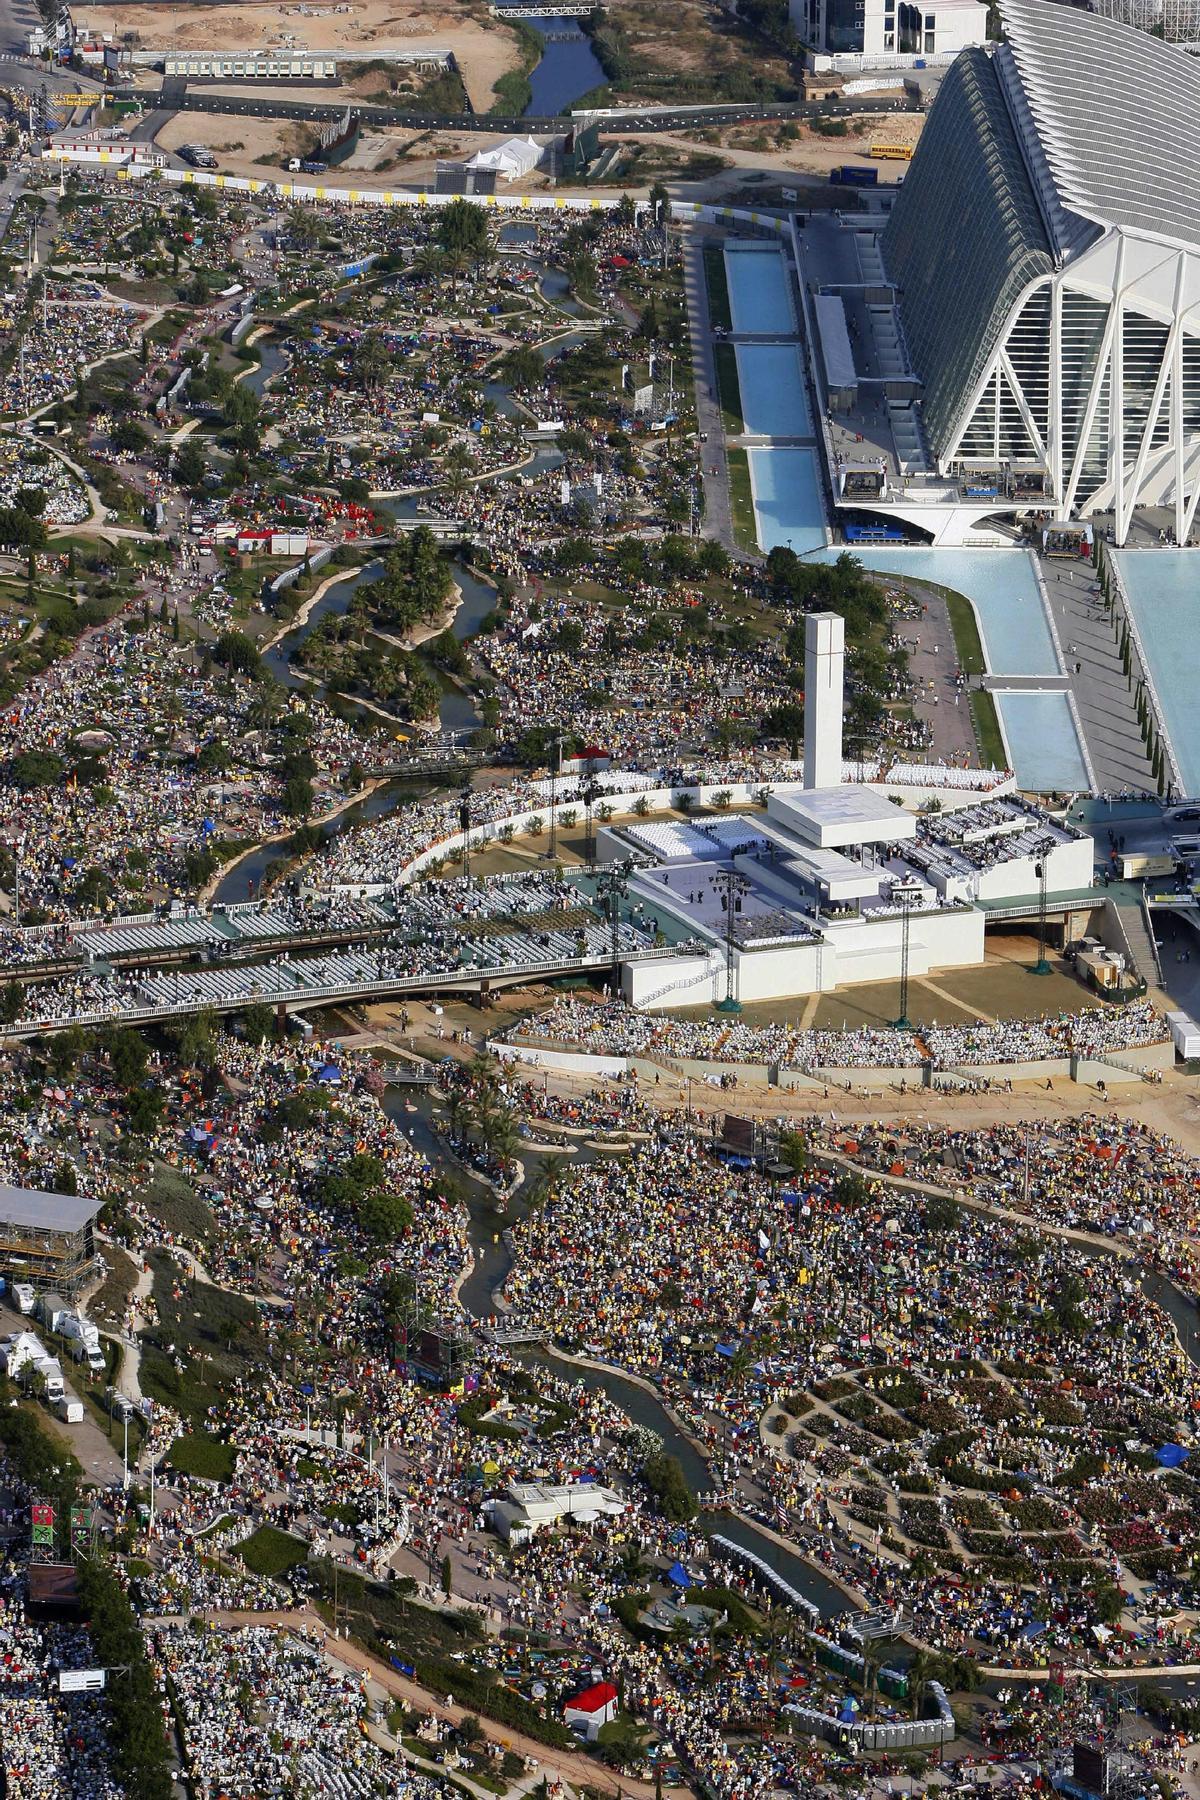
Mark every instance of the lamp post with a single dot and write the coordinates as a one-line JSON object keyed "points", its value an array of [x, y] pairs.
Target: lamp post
{"points": [[556, 777], [1042, 965], [16, 844], [590, 793], [903, 1022], [734, 888], [464, 825], [612, 886]]}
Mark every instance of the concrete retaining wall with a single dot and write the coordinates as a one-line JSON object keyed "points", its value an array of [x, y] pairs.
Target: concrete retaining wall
{"points": [[580, 1062]]}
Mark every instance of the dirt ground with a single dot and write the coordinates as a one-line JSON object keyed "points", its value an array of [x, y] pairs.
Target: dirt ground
{"points": [[383, 159], [1171, 1107], [483, 49], [760, 147], [239, 142], [689, 37]]}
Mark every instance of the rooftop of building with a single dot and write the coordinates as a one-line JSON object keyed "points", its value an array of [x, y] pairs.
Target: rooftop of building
{"points": [[1117, 117], [32, 1210]]}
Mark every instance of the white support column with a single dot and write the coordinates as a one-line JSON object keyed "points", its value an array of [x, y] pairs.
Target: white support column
{"points": [[1018, 394], [996, 415], [1177, 408], [1056, 412], [1166, 371], [1190, 515], [1116, 416], [1103, 358]]}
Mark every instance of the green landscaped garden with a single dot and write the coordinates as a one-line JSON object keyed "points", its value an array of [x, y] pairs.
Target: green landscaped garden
{"points": [[969, 645], [985, 719], [271, 1552], [719, 315], [728, 389], [199, 1453], [741, 502]]}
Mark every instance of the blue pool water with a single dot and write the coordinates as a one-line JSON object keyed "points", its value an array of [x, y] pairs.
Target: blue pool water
{"points": [[1043, 742], [1164, 592], [1012, 619], [787, 499], [759, 290], [774, 403]]}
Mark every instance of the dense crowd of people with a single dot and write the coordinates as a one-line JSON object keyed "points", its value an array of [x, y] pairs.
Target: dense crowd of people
{"points": [[50, 1743], [612, 1028]]}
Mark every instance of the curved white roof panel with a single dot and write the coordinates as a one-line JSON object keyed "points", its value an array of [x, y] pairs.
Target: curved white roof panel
{"points": [[1118, 115]]}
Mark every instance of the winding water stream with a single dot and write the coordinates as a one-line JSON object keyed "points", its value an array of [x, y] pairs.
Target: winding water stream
{"points": [[492, 1261]]}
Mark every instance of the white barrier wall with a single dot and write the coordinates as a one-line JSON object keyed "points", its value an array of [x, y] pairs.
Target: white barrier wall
{"points": [[335, 196]]}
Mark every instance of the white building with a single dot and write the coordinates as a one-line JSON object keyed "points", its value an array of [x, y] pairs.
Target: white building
{"points": [[250, 65], [527, 1507], [1044, 252], [836, 883], [887, 33], [587, 1712], [110, 150]]}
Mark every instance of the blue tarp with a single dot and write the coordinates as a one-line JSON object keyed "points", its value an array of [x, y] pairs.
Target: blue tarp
{"points": [[330, 1072], [1170, 1455], [679, 1576], [1034, 1629]]}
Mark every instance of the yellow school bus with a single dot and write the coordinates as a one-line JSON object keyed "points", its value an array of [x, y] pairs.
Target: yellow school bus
{"points": [[892, 152]]}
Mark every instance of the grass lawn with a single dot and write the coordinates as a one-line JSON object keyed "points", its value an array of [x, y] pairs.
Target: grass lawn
{"points": [[741, 501], [987, 731], [199, 1453], [174, 1202], [224, 1327], [965, 627], [728, 389], [718, 288], [271, 1552]]}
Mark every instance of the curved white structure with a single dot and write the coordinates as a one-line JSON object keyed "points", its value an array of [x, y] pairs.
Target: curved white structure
{"points": [[1045, 249]]}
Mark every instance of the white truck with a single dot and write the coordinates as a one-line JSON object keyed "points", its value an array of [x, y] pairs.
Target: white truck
{"points": [[25, 1298], [84, 1340], [52, 1309], [50, 1370], [69, 1410], [83, 1351]]}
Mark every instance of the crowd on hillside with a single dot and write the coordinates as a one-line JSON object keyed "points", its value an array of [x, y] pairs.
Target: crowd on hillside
{"points": [[59, 342], [170, 763], [612, 1028]]}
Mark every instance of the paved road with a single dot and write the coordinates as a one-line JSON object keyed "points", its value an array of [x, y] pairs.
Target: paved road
{"points": [[1097, 680], [17, 20]]}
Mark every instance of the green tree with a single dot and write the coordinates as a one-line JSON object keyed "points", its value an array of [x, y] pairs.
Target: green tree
{"points": [[258, 1023], [385, 1216]]}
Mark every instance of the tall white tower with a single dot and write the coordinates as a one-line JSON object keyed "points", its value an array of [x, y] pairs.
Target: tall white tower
{"points": [[824, 660]]}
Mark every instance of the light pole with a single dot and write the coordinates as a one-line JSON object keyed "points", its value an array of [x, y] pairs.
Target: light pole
{"points": [[464, 825], [15, 845], [590, 794], [612, 887], [903, 1022], [555, 778], [734, 888], [1042, 965]]}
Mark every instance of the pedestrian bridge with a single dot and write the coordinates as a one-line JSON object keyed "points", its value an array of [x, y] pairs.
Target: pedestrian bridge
{"points": [[284, 986]]}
